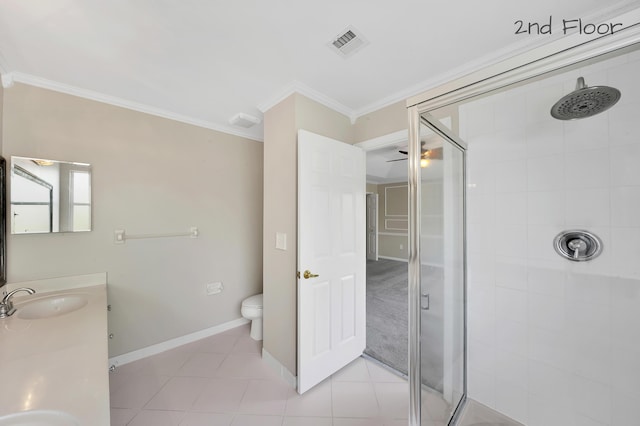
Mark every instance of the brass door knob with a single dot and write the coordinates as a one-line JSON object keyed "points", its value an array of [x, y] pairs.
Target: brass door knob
{"points": [[307, 274]]}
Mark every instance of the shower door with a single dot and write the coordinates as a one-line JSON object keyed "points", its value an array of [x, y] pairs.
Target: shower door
{"points": [[440, 267]]}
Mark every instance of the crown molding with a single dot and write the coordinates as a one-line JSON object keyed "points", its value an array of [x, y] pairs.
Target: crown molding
{"points": [[4, 66], [302, 89], [123, 103], [7, 80]]}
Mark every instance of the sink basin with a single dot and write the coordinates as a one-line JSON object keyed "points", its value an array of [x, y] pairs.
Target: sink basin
{"points": [[39, 418], [51, 306]]}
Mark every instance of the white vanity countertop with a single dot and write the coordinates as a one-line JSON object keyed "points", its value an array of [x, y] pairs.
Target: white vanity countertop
{"points": [[57, 363]]}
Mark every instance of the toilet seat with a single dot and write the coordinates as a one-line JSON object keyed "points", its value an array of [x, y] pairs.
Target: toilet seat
{"points": [[253, 302]]}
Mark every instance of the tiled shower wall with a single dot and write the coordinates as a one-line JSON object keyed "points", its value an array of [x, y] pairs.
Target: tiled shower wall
{"points": [[554, 342]]}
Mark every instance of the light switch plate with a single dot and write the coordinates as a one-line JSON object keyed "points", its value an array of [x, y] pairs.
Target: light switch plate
{"points": [[281, 241]]}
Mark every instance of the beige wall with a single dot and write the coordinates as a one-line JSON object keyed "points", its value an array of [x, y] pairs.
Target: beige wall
{"points": [[150, 175], [386, 120], [390, 245], [281, 124], [280, 207]]}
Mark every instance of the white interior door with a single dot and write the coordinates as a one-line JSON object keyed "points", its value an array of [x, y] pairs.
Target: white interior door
{"points": [[372, 226], [331, 248]]}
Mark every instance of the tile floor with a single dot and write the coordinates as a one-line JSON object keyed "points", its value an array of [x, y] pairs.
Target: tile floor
{"points": [[222, 380]]}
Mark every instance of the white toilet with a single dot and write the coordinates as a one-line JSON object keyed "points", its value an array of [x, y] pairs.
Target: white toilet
{"points": [[252, 310]]}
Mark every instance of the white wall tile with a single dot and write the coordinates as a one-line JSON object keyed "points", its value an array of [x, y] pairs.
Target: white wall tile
{"points": [[479, 117], [511, 337], [511, 208], [546, 208], [549, 381], [510, 145], [586, 208], [591, 359], [540, 242], [511, 305], [625, 79], [590, 133], [624, 126], [511, 176], [545, 173], [540, 100], [481, 178], [511, 399], [482, 387], [625, 327], [549, 347], [512, 368], [482, 357], [624, 165], [587, 169], [625, 375], [588, 289], [625, 206], [547, 312], [625, 249], [481, 208], [545, 139], [510, 240], [511, 272], [587, 319], [509, 107], [624, 408], [591, 399], [548, 280], [580, 334], [547, 411], [481, 239]]}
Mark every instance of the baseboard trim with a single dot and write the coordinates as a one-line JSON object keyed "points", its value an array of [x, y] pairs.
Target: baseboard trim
{"points": [[174, 343], [392, 258], [282, 371]]}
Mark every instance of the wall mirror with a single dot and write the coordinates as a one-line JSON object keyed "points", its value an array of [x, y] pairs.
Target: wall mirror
{"points": [[49, 196]]}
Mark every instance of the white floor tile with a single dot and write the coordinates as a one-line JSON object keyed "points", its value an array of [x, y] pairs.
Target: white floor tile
{"points": [[265, 397], [307, 421], [393, 399], [137, 391], [355, 372], [202, 364], [251, 420], [353, 399], [179, 393], [357, 422], [221, 395], [157, 418], [314, 402], [206, 419]]}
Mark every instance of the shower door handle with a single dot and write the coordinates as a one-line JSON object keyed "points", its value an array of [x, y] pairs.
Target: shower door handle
{"points": [[425, 297]]}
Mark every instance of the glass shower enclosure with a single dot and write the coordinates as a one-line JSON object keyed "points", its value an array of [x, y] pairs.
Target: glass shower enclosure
{"points": [[525, 220], [437, 272]]}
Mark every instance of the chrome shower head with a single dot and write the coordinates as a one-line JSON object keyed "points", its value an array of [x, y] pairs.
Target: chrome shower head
{"points": [[585, 101]]}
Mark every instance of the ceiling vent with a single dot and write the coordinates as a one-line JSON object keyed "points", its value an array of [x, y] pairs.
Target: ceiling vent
{"points": [[244, 120], [348, 42]]}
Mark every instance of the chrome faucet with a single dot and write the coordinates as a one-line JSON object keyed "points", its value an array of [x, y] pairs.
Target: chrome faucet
{"points": [[6, 305]]}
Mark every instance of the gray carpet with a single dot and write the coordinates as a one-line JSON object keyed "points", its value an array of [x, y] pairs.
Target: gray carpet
{"points": [[387, 327], [387, 319]]}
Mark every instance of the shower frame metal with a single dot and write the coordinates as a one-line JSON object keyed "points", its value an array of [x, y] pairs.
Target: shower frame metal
{"points": [[572, 50]]}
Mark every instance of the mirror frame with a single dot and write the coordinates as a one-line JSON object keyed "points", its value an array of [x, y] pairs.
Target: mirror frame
{"points": [[3, 222]]}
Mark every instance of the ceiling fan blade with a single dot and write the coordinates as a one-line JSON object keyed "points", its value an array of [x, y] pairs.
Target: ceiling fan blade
{"points": [[404, 152], [399, 159]]}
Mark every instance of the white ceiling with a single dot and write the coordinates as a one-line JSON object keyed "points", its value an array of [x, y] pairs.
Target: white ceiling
{"points": [[203, 61]]}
